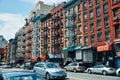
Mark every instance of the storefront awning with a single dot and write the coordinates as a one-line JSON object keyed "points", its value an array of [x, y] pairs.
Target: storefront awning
{"points": [[34, 59], [104, 48], [78, 47], [69, 48]]}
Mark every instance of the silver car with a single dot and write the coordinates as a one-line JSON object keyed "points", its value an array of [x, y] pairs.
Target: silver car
{"points": [[101, 69], [118, 72], [75, 66], [49, 70]]}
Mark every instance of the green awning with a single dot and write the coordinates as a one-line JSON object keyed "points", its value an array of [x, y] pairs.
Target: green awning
{"points": [[78, 47], [69, 48]]}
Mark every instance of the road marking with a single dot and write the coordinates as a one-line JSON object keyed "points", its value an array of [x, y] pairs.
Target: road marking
{"points": [[74, 78]]}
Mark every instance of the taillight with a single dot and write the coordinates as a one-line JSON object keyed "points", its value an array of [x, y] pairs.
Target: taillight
{"points": [[78, 67]]}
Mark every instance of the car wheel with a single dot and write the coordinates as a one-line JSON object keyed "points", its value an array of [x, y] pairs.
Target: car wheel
{"points": [[34, 71], [89, 71], [48, 76], [104, 72], [119, 73], [74, 70]]}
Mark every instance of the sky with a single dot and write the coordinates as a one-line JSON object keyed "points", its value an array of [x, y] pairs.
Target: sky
{"points": [[14, 12]]}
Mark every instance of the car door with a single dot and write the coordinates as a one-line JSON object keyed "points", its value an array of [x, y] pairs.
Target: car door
{"points": [[39, 69], [98, 69], [69, 66], [95, 68]]}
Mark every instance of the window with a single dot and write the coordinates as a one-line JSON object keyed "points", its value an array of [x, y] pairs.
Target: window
{"points": [[79, 18], [98, 11], [107, 35], [86, 40], [80, 40], [92, 38], [106, 22], [90, 3], [115, 12], [117, 31], [79, 8], [84, 5], [115, 1], [85, 16], [91, 14], [99, 36], [105, 8], [85, 29], [92, 27], [118, 47], [99, 24], [97, 1], [79, 29]]}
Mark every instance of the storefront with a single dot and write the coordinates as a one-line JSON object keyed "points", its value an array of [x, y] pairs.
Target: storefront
{"points": [[78, 53], [69, 55], [117, 51], [89, 55], [106, 55]]}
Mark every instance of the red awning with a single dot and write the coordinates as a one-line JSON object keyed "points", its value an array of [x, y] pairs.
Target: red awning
{"points": [[43, 57], [34, 59], [104, 48]]}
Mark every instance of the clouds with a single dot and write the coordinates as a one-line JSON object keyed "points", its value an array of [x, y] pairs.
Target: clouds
{"points": [[49, 2], [11, 23]]}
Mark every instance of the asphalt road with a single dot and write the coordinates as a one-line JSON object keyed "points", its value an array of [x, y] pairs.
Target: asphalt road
{"points": [[77, 76], [86, 76]]}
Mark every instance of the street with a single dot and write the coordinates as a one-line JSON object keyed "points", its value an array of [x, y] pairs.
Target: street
{"points": [[77, 76]]}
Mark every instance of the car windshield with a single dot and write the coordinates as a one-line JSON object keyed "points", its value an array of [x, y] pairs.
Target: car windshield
{"points": [[27, 77], [51, 65]]}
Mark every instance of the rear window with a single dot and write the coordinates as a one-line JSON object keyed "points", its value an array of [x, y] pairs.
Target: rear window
{"points": [[81, 64]]}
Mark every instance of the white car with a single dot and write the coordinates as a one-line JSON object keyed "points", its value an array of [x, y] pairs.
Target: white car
{"points": [[49, 70], [118, 72], [101, 69]]}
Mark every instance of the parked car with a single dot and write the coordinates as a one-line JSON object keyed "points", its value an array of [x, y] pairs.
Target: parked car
{"points": [[101, 69], [49, 70], [21, 75], [75, 66], [118, 72], [28, 65]]}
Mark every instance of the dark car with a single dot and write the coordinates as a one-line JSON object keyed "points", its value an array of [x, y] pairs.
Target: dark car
{"points": [[21, 75]]}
